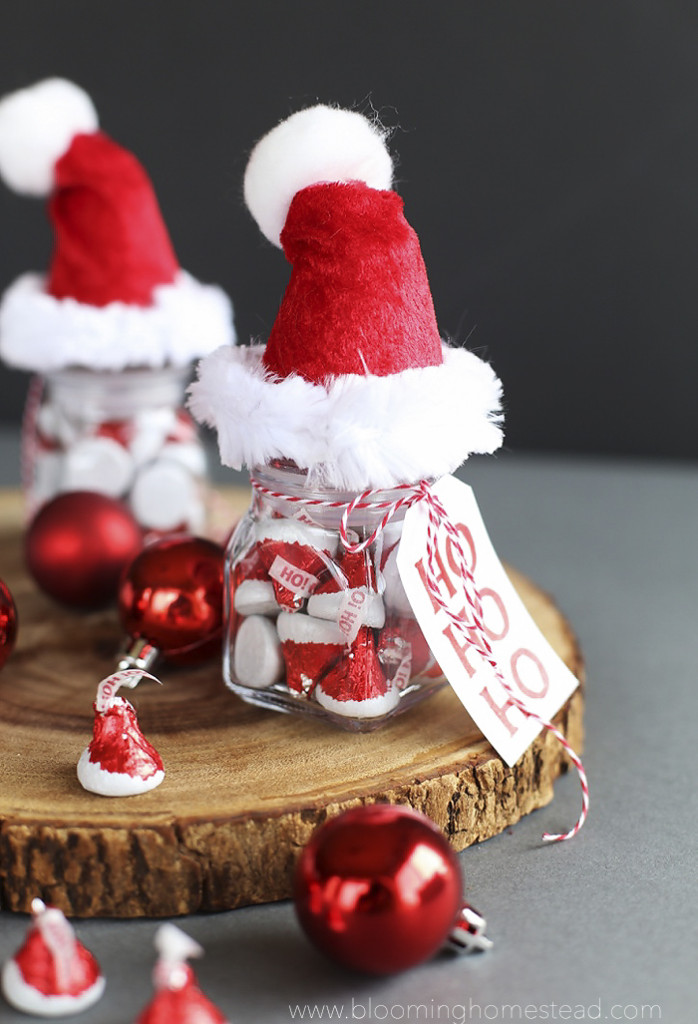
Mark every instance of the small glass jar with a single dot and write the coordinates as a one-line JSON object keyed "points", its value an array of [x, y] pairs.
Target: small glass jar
{"points": [[121, 433], [312, 627]]}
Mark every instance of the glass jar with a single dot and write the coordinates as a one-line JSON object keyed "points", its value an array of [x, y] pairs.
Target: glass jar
{"points": [[121, 433], [311, 626]]}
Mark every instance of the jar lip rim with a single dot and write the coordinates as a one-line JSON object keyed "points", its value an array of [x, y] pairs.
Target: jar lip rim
{"points": [[292, 480], [94, 395], [70, 374]]}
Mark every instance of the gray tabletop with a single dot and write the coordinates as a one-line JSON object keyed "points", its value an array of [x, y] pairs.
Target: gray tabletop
{"points": [[604, 924]]}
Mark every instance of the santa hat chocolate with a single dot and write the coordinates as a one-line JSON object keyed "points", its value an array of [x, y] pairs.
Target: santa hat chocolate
{"points": [[119, 761], [114, 295], [356, 686], [52, 975], [178, 999], [310, 647], [354, 384], [350, 595]]}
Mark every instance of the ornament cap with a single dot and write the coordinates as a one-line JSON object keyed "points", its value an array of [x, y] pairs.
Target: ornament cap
{"points": [[137, 654], [468, 933]]}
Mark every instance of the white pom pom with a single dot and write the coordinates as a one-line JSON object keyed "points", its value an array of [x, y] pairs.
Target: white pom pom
{"points": [[37, 126], [315, 145]]}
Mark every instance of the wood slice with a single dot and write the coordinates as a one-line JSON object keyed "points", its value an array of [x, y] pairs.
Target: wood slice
{"points": [[244, 787]]}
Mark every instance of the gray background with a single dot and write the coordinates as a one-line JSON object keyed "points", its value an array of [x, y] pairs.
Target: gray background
{"points": [[548, 159]]}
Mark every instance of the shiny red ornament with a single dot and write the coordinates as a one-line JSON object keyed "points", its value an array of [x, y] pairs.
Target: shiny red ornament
{"points": [[77, 545], [378, 888], [172, 597], [8, 623]]}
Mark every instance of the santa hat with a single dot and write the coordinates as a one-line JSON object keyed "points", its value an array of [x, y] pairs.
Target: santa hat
{"points": [[354, 384], [350, 594], [178, 999], [119, 761], [310, 647], [356, 685], [52, 975], [115, 295]]}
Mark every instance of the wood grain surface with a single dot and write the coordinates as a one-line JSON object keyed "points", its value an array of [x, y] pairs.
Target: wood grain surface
{"points": [[244, 787]]}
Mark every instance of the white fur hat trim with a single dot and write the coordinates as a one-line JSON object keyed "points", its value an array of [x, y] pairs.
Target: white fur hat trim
{"points": [[372, 707], [319, 144], [30, 1000], [255, 597], [95, 779], [41, 333], [306, 629], [358, 431], [329, 606]]}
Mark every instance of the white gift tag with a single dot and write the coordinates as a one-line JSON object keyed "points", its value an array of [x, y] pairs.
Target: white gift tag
{"points": [[535, 673]]}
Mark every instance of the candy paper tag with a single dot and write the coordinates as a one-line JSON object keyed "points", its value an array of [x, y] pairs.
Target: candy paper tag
{"points": [[536, 674], [298, 581], [352, 609], [60, 939], [130, 677], [403, 673]]}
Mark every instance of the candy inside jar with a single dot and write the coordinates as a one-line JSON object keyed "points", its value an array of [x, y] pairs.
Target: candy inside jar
{"points": [[315, 624], [120, 433]]}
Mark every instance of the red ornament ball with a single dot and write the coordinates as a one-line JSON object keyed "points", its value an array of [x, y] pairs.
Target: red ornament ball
{"points": [[378, 888], [77, 546], [172, 596], [8, 623]]}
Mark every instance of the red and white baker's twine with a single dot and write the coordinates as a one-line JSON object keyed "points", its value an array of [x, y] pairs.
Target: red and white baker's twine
{"points": [[361, 501], [473, 632]]}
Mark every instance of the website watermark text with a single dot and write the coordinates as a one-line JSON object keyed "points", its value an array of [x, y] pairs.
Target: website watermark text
{"points": [[462, 1013]]}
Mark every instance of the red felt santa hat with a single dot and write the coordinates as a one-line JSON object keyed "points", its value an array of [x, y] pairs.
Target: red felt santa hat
{"points": [[115, 295], [178, 999], [52, 975], [354, 384], [356, 685]]}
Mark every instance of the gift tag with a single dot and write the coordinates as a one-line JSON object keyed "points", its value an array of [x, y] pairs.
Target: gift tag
{"points": [[490, 613]]}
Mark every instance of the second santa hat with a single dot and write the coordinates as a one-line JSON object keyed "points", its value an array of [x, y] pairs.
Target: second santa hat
{"points": [[355, 384], [115, 295]]}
